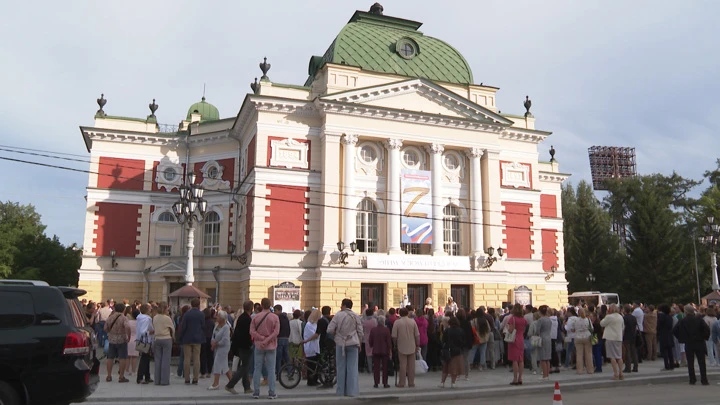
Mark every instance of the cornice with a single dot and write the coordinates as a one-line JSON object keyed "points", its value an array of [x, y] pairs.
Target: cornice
{"points": [[551, 177], [524, 135], [390, 114]]}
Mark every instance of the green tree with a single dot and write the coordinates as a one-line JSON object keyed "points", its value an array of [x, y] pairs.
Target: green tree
{"points": [[590, 246], [26, 253], [659, 249]]}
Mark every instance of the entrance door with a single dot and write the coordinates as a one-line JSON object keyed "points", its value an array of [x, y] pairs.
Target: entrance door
{"points": [[461, 295], [372, 294], [417, 293]]}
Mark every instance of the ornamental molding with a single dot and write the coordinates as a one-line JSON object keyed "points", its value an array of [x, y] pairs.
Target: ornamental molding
{"points": [[475, 153], [349, 139], [168, 175], [551, 177], [212, 172], [393, 144], [289, 153], [427, 89], [457, 174], [384, 113], [435, 148], [373, 168], [512, 134], [516, 175]]}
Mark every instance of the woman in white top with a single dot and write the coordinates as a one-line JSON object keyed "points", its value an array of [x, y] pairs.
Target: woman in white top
{"points": [[296, 335], [570, 337], [311, 345]]}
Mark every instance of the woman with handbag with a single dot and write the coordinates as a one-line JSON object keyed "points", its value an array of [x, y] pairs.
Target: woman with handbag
{"points": [[162, 347], [583, 347], [143, 339], [516, 343], [481, 330], [453, 344]]}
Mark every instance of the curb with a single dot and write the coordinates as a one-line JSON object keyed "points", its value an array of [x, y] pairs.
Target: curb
{"points": [[417, 395]]}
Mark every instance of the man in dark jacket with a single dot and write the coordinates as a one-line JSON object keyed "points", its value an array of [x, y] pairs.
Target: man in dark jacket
{"points": [[241, 347], [282, 353], [693, 331], [665, 336], [192, 335], [629, 336]]}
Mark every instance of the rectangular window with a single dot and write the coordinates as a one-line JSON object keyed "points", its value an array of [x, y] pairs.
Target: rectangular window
{"points": [[211, 242], [165, 250], [417, 294], [175, 286], [17, 310], [212, 292], [461, 295], [372, 294]]}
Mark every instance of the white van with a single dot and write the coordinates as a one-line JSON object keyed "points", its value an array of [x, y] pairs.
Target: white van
{"points": [[595, 298]]}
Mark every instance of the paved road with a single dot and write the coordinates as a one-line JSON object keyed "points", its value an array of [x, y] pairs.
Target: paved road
{"points": [[670, 394]]}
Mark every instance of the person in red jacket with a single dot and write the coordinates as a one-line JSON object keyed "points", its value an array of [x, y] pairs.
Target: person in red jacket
{"points": [[380, 342]]}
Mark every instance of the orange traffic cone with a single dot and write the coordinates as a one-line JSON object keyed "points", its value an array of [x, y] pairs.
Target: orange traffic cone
{"points": [[557, 398]]}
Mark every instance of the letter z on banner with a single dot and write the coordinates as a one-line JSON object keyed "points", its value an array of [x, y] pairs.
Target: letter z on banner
{"points": [[416, 206]]}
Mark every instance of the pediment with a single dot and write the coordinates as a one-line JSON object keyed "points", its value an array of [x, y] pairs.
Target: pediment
{"points": [[171, 268], [419, 95]]}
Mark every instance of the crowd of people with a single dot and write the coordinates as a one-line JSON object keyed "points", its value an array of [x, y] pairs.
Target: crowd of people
{"points": [[250, 346]]}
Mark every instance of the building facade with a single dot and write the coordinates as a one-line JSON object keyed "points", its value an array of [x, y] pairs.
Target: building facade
{"points": [[388, 147]]}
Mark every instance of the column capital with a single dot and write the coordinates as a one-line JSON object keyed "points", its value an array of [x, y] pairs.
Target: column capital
{"points": [[348, 139], [393, 143], [435, 148], [475, 152]]}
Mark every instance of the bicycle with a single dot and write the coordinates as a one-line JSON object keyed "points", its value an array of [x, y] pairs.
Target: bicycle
{"points": [[291, 373]]}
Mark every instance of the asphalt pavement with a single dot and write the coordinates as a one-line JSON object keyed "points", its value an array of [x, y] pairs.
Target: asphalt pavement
{"points": [[492, 385]]}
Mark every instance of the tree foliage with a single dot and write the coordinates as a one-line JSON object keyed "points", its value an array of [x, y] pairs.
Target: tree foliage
{"points": [[27, 253]]}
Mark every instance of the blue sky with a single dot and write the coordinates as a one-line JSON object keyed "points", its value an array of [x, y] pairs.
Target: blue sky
{"points": [[640, 73]]}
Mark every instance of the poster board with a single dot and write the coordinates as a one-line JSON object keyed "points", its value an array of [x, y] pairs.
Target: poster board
{"points": [[287, 294], [522, 295]]}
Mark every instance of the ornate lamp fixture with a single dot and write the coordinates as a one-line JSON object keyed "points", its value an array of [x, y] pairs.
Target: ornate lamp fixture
{"points": [[491, 258], [190, 209], [712, 240], [343, 254], [550, 275], [113, 262]]}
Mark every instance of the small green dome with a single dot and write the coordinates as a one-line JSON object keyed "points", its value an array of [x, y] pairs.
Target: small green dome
{"points": [[393, 45], [207, 111]]}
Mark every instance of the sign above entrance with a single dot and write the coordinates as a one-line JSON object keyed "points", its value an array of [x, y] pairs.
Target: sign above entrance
{"points": [[523, 295], [287, 295], [417, 262]]}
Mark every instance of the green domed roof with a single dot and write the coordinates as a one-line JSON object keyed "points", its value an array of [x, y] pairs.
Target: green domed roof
{"points": [[393, 45], [207, 111]]}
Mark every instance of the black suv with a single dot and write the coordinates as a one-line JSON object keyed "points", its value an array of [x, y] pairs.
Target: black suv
{"points": [[47, 348]]}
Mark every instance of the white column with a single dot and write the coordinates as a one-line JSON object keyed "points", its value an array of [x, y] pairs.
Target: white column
{"points": [[476, 228], [393, 196], [348, 188], [436, 153], [713, 268], [189, 277]]}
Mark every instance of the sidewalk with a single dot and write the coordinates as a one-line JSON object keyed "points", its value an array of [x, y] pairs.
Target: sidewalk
{"points": [[489, 383]]}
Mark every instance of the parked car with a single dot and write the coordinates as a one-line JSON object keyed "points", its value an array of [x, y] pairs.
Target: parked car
{"points": [[47, 347]]}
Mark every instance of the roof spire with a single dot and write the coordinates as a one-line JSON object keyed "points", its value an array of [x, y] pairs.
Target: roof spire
{"points": [[203, 97]]}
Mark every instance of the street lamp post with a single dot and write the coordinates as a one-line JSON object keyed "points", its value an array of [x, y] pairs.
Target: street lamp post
{"points": [[711, 239], [189, 210], [591, 280]]}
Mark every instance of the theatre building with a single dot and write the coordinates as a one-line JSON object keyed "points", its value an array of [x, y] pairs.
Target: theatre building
{"points": [[388, 147]]}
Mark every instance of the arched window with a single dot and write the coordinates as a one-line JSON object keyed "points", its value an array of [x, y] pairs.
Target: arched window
{"points": [[451, 230], [211, 234], [366, 235], [166, 216]]}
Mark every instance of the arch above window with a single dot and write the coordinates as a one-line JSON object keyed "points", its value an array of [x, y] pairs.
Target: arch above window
{"points": [[166, 216]]}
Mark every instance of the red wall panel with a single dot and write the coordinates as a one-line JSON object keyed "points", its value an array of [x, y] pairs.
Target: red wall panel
{"points": [[121, 174], [116, 228], [548, 206], [549, 249], [518, 233], [288, 205]]}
